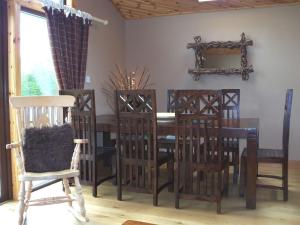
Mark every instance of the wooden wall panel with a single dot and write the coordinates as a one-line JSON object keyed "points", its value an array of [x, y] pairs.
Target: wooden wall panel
{"points": [[138, 9]]}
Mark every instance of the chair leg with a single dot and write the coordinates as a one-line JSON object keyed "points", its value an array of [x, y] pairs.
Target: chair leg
{"points": [[21, 205], [170, 166], [285, 181], [79, 197], [155, 186], [242, 177], [236, 167], [176, 186], [28, 194], [226, 180], [176, 197], [219, 192], [67, 190], [119, 180], [114, 169], [95, 180]]}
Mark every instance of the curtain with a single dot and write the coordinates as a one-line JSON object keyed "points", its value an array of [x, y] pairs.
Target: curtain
{"points": [[69, 44]]}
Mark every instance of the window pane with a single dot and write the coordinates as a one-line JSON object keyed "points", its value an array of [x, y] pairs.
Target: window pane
{"points": [[58, 1], [37, 69]]}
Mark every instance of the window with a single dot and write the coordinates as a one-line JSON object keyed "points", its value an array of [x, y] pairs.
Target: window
{"points": [[59, 1], [37, 69]]}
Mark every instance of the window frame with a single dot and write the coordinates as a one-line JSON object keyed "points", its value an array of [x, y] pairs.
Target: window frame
{"points": [[5, 155]]}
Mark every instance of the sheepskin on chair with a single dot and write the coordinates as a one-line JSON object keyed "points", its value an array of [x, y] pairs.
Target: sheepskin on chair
{"points": [[48, 148]]}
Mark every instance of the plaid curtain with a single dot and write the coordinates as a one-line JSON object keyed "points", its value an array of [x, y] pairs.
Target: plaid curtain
{"points": [[69, 43]]}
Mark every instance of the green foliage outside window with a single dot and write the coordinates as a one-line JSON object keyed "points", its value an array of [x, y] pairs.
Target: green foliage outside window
{"points": [[30, 86]]}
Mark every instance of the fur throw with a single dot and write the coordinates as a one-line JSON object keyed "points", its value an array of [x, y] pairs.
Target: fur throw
{"points": [[48, 149]]}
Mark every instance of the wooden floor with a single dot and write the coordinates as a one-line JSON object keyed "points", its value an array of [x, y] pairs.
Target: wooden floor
{"points": [[108, 211]]}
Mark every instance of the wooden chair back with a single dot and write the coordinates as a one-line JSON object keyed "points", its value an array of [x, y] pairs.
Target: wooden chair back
{"points": [[84, 121], [231, 103], [136, 137], [231, 110], [39, 111], [170, 100], [198, 145], [286, 122]]}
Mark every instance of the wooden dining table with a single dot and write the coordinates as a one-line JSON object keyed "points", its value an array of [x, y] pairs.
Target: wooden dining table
{"points": [[247, 128]]}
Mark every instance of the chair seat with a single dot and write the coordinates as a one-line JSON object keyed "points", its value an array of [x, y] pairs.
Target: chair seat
{"points": [[27, 176], [163, 157], [267, 154], [231, 144], [103, 151], [166, 141]]}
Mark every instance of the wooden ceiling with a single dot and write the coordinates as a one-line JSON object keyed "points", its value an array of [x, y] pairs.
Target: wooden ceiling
{"points": [[139, 9]]}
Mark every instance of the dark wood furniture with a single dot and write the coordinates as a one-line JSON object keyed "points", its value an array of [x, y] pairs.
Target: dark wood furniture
{"points": [[138, 158], [279, 156], [201, 49], [231, 110], [247, 128], [199, 152], [5, 156], [168, 142], [97, 164]]}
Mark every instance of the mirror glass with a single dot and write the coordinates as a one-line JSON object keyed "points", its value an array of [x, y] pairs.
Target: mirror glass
{"points": [[218, 59]]}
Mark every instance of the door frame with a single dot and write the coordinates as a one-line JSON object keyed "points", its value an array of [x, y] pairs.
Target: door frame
{"points": [[5, 155]]}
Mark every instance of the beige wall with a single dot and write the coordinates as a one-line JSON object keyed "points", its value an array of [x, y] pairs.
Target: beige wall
{"points": [[106, 46], [160, 44]]}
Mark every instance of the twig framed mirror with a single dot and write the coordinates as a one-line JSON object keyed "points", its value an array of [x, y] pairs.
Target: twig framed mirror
{"points": [[219, 57]]}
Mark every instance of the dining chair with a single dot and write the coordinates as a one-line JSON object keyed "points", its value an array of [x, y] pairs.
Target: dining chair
{"points": [[201, 168], [45, 150], [138, 158], [167, 143], [231, 110], [97, 164], [278, 156]]}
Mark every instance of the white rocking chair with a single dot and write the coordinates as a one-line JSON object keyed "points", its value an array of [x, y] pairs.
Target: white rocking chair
{"points": [[39, 112]]}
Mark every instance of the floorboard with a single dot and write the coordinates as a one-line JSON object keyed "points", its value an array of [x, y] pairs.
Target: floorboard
{"points": [[106, 210]]}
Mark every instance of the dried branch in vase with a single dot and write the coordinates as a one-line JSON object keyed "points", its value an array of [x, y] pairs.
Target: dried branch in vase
{"points": [[124, 80]]}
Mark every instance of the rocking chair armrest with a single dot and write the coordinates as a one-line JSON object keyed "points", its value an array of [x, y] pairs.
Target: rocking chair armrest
{"points": [[13, 145], [81, 141]]}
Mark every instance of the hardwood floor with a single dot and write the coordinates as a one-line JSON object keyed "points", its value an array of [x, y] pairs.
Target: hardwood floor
{"points": [[106, 210]]}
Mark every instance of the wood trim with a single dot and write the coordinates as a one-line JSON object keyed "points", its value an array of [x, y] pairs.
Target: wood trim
{"points": [[37, 5], [72, 3], [31, 4], [14, 63]]}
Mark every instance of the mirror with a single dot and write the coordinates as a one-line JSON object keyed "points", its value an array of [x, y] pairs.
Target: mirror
{"points": [[221, 57], [221, 61]]}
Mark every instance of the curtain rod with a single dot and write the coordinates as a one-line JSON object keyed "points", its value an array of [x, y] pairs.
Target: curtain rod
{"points": [[49, 3], [105, 22]]}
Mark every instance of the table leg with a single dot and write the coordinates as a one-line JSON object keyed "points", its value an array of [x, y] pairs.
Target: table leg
{"points": [[107, 142], [252, 143]]}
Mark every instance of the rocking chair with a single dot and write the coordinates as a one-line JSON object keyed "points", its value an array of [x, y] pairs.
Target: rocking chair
{"points": [[45, 150]]}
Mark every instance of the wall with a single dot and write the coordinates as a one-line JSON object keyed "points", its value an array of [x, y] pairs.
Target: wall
{"points": [[106, 46], [160, 44]]}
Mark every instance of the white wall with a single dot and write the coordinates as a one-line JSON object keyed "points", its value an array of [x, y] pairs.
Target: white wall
{"points": [[160, 44], [106, 47]]}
